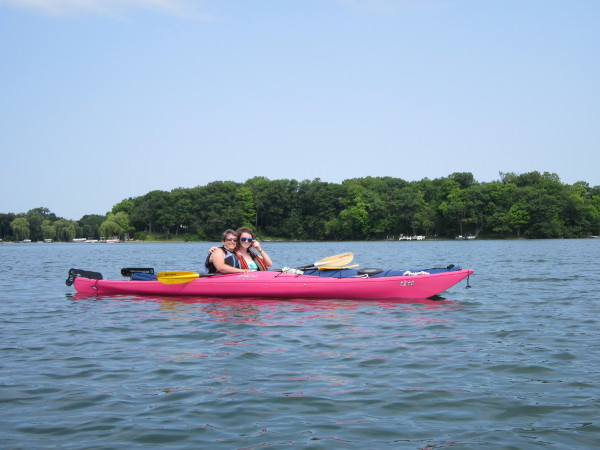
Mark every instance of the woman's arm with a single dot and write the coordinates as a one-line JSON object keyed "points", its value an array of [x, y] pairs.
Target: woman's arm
{"points": [[266, 258], [218, 259]]}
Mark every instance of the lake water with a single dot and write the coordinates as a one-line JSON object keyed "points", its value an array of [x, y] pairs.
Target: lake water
{"points": [[513, 362]]}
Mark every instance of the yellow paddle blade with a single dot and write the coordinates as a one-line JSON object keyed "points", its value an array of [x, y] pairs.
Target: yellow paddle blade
{"points": [[176, 277], [336, 261], [336, 268]]}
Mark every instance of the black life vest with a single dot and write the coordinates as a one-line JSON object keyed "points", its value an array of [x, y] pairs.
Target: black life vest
{"points": [[230, 259]]}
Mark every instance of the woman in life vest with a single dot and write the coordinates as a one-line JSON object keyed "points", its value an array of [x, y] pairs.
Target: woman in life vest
{"points": [[223, 259], [249, 251]]}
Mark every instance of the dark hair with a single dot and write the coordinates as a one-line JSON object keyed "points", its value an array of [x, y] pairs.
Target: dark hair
{"points": [[238, 234], [241, 230], [225, 233]]}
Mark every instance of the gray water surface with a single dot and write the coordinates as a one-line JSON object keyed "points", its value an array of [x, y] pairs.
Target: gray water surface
{"points": [[512, 362]]}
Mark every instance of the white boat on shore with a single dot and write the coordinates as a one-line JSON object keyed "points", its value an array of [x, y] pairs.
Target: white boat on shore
{"points": [[110, 240], [411, 238]]}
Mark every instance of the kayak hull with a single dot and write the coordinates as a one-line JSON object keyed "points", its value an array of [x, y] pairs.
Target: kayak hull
{"points": [[271, 284]]}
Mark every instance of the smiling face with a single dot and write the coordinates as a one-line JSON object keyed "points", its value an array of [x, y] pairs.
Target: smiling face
{"points": [[246, 240], [230, 242]]}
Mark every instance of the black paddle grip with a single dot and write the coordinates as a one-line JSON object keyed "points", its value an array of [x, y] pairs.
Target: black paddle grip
{"points": [[74, 273]]}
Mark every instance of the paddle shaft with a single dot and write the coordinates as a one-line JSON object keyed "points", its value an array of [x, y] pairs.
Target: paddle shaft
{"points": [[340, 261]]}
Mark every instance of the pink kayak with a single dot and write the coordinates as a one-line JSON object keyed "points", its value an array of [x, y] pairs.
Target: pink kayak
{"points": [[274, 284]]}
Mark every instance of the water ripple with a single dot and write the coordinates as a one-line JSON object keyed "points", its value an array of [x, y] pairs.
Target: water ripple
{"points": [[510, 363]]}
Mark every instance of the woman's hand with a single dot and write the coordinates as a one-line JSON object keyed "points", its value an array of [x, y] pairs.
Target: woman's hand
{"points": [[265, 257]]}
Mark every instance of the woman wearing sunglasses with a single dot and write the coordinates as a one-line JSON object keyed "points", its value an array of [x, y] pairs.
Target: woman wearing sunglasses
{"points": [[224, 259], [249, 251]]}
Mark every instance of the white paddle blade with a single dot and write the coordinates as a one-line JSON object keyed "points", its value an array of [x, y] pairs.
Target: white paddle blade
{"points": [[340, 260]]}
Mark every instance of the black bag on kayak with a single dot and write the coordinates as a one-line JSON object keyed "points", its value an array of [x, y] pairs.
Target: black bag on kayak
{"points": [[128, 271]]}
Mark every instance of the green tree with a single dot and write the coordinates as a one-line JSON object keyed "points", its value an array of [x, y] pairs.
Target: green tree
{"points": [[258, 186], [110, 227], [122, 219], [594, 215], [48, 230], [279, 200], [409, 203], [5, 228], [464, 179], [150, 210], [455, 209], [65, 229], [182, 209], [90, 225], [245, 202], [544, 212], [115, 224], [532, 204], [375, 192], [219, 211], [319, 204], [36, 217], [126, 206], [502, 197], [518, 216], [20, 228], [425, 219], [483, 204], [575, 213], [354, 220]]}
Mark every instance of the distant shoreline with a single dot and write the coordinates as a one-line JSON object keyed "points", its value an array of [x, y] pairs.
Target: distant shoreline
{"points": [[295, 241]]}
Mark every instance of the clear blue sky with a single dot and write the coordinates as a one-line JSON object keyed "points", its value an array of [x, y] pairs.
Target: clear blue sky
{"points": [[103, 100]]}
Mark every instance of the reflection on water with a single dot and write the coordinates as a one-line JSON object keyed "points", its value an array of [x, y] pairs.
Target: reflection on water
{"points": [[257, 311]]}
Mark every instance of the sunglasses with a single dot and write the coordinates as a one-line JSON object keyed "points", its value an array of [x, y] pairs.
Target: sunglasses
{"points": [[231, 239], [246, 239]]}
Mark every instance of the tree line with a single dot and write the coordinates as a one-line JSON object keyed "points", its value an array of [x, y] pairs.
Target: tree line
{"points": [[529, 205]]}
